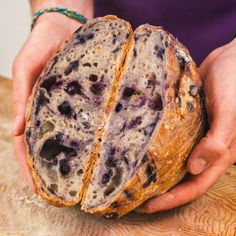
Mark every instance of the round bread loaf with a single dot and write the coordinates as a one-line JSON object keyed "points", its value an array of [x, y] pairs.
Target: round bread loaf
{"points": [[113, 117]]}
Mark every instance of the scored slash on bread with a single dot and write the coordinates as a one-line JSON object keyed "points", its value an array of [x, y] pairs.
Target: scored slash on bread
{"points": [[113, 117]]}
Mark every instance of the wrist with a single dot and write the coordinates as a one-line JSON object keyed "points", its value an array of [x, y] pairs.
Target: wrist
{"points": [[83, 7], [55, 19]]}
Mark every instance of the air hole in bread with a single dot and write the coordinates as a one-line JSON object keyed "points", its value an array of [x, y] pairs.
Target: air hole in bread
{"points": [[48, 82], [182, 63], [118, 107], [178, 101], [97, 88], [160, 51], [128, 92], [116, 50], [71, 67], [52, 148], [117, 178], [80, 172], [189, 106], [93, 77], [41, 101], [193, 90], [109, 190], [111, 162], [135, 122], [134, 52], [84, 37], [74, 87], [87, 64], [151, 176], [64, 167], [65, 109], [156, 103], [115, 204], [106, 177], [47, 126], [73, 193], [53, 188], [28, 133], [128, 194]]}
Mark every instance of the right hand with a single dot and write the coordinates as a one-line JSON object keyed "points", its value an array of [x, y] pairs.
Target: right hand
{"points": [[50, 31]]}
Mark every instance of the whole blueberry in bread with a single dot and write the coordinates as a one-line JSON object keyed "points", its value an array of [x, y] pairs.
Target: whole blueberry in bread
{"points": [[113, 117]]}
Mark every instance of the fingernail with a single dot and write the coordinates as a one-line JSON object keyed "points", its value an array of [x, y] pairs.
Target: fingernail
{"points": [[198, 165], [16, 125]]}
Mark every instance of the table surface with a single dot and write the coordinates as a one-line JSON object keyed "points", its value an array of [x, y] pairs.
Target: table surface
{"points": [[23, 213]]}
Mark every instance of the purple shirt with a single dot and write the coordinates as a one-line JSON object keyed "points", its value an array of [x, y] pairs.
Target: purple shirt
{"points": [[200, 25]]}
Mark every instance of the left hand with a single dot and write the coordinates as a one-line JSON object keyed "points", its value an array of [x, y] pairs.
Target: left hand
{"points": [[49, 33], [217, 150]]}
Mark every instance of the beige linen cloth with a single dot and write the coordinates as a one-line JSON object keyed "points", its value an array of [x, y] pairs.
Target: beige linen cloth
{"points": [[22, 213]]}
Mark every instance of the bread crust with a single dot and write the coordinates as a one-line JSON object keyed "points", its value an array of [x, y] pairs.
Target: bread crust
{"points": [[166, 154]]}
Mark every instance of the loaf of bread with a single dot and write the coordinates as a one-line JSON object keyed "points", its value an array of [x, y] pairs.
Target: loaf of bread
{"points": [[113, 118]]}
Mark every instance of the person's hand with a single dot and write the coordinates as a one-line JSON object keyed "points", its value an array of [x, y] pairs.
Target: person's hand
{"points": [[217, 150], [50, 31]]}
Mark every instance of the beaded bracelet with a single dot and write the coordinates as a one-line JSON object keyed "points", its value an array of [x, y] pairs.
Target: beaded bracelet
{"points": [[64, 11]]}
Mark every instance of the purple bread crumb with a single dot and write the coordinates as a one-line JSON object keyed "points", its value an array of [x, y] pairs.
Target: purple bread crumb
{"points": [[135, 122]]}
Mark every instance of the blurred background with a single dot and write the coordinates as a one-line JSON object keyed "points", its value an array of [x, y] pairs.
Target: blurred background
{"points": [[15, 20]]}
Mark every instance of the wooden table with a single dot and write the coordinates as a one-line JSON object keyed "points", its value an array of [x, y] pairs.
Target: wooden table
{"points": [[23, 213]]}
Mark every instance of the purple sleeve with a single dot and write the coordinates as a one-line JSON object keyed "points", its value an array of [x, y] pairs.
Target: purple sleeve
{"points": [[200, 25]]}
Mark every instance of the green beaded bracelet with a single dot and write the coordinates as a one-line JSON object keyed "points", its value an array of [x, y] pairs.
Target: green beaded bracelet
{"points": [[64, 11]]}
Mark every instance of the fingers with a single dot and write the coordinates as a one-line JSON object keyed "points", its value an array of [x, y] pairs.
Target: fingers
{"points": [[188, 191], [222, 128], [217, 141], [20, 153], [208, 151], [211, 57], [22, 86], [29, 63], [214, 146], [25, 70]]}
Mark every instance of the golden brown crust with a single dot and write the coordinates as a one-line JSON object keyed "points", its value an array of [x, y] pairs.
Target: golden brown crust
{"points": [[167, 155]]}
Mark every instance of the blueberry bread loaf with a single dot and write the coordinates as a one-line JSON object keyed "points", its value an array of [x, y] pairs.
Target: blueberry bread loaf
{"points": [[113, 117]]}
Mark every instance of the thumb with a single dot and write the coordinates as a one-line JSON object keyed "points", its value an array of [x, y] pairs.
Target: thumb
{"points": [[213, 146], [208, 151]]}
